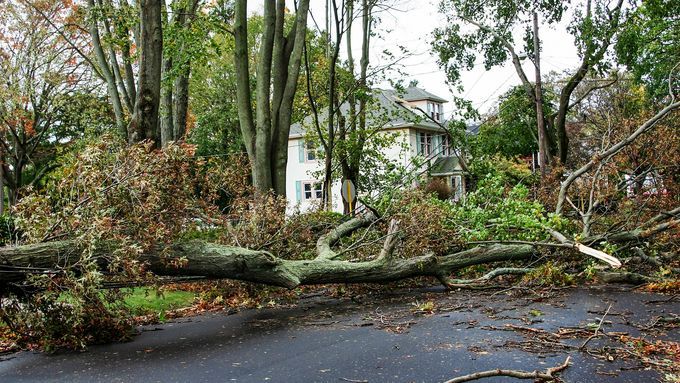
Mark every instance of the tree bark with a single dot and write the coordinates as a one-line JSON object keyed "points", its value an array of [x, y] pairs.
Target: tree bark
{"points": [[144, 124], [181, 104], [217, 261], [166, 110]]}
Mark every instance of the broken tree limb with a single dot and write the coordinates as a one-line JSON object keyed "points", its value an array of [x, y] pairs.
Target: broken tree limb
{"points": [[547, 375], [643, 232], [326, 241], [199, 258], [391, 240], [607, 154], [451, 283], [601, 255], [624, 277]]}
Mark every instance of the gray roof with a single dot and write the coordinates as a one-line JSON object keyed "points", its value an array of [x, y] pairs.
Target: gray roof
{"points": [[385, 110], [447, 165], [413, 93]]}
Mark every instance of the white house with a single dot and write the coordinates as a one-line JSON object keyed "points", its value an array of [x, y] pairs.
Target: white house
{"points": [[413, 114]]}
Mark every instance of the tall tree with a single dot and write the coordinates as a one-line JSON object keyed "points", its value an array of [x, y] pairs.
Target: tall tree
{"points": [[594, 28], [266, 131], [354, 130], [41, 74]]}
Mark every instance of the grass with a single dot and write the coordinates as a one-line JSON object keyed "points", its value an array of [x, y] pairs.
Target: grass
{"points": [[143, 300]]}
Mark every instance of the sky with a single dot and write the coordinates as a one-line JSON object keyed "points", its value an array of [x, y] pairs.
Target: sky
{"points": [[410, 23]]}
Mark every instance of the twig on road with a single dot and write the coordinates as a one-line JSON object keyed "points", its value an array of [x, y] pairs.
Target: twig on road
{"points": [[354, 381], [519, 374], [599, 325]]}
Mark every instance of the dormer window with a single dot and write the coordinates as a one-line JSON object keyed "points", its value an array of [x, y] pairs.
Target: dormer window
{"points": [[435, 110]]}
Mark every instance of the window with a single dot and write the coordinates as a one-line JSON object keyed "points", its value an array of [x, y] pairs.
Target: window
{"points": [[447, 150], [424, 144], [312, 190], [310, 152], [435, 110]]}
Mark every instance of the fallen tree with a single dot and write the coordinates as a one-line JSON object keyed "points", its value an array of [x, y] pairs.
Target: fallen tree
{"points": [[210, 260]]}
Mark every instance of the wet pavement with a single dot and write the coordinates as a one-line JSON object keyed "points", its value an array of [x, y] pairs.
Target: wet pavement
{"points": [[378, 339]]}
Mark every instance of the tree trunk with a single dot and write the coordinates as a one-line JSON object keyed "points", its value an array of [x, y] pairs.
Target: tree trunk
{"points": [[145, 119], [266, 136], [2, 181], [351, 161], [218, 261], [167, 115], [112, 90], [543, 148], [181, 106]]}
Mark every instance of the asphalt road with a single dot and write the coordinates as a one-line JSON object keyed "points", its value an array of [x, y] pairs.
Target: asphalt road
{"points": [[379, 339]]}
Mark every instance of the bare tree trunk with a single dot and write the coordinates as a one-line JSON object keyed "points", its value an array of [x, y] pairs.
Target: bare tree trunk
{"points": [[166, 110], [181, 90], [243, 96], [351, 161], [144, 124], [2, 181], [543, 148], [181, 106]]}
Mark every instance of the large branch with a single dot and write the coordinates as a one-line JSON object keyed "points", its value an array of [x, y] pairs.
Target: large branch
{"points": [[210, 260], [323, 245]]}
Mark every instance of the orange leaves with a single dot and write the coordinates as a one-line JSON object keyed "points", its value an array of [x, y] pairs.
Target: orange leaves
{"points": [[669, 287]]}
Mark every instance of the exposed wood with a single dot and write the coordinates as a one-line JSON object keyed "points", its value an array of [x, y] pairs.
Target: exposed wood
{"points": [[547, 375], [612, 261]]}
